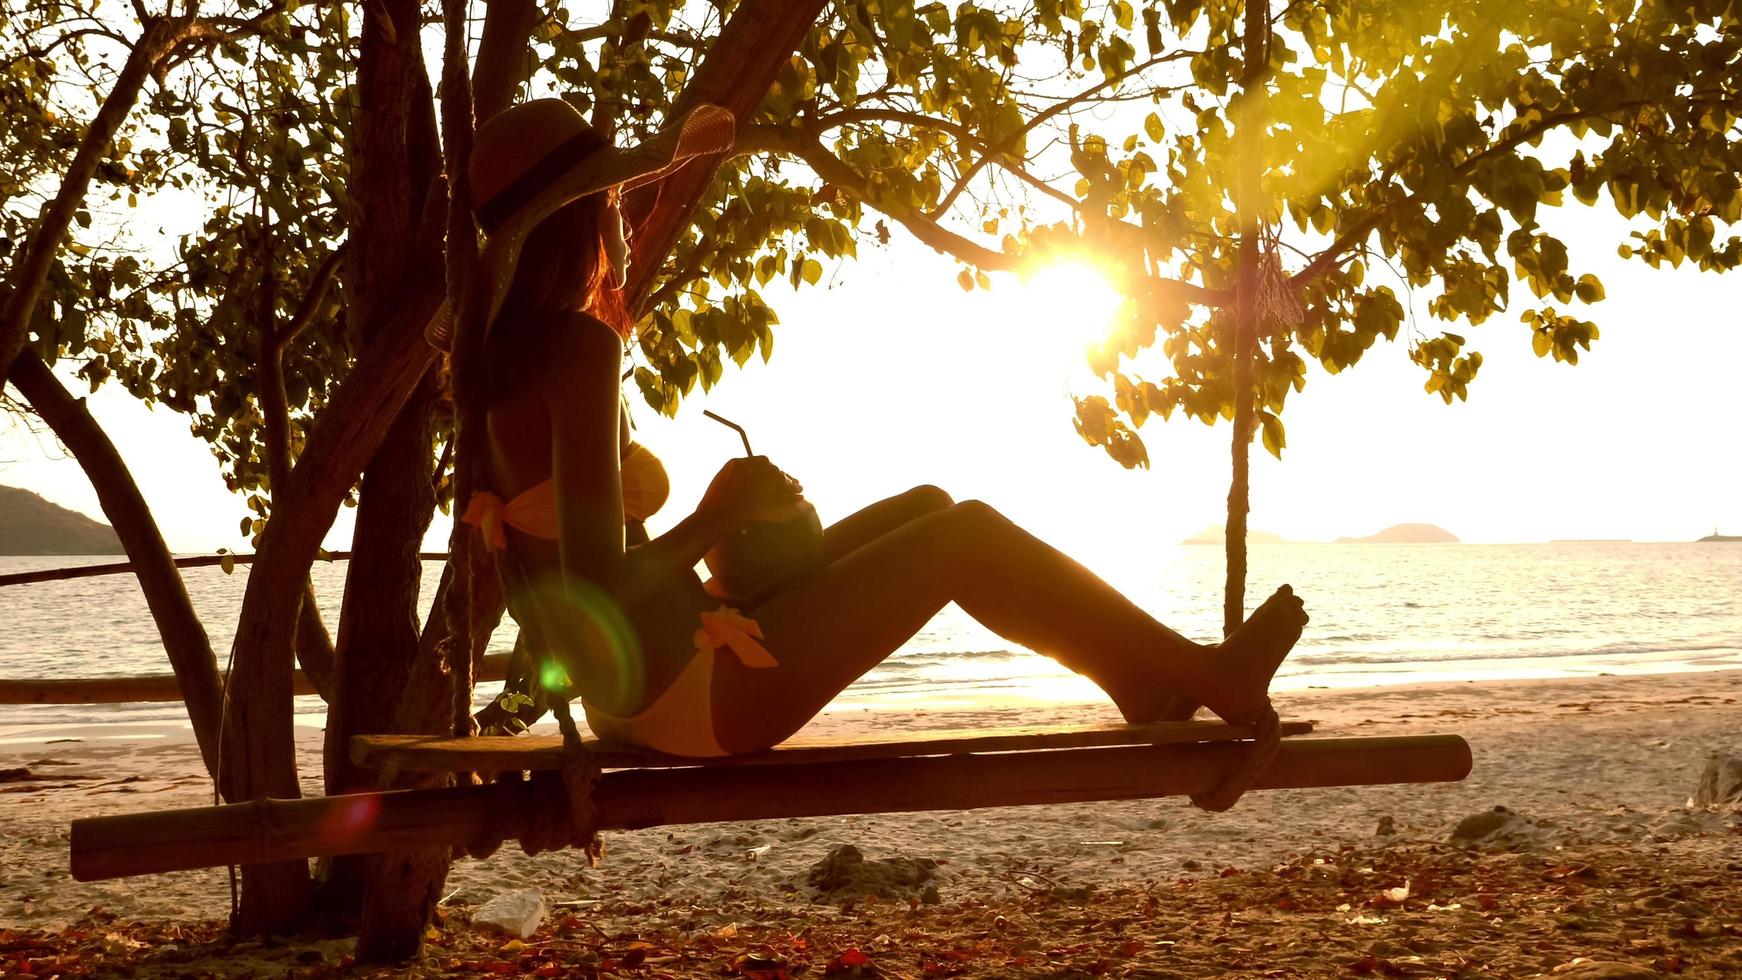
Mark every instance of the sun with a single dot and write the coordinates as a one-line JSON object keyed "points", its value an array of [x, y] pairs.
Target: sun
{"points": [[1070, 306]]}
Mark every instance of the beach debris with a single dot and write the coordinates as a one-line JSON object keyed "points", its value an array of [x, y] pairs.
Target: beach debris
{"points": [[22, 774], [1498, 828], [851, 962], [517, 913], [1720, 783], [1387, 827], [1672, 912], [1603, 970], [760, 965], [1388, 897], [845, 874]]}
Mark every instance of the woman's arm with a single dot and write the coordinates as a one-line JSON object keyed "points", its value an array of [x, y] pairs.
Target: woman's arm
{"points": [[582, 397], [580, 393]]}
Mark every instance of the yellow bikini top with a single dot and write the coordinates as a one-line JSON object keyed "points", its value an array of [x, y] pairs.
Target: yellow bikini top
{"points": [[645, 485], [533, 512]]}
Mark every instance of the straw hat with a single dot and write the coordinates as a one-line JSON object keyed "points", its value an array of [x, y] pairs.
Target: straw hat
{"points": [[536, 157]]}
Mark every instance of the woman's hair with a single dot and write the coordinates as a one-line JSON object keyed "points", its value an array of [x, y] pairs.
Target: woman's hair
{"points": [[563, 266]]}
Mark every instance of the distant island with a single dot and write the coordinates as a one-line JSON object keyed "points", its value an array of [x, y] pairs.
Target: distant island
{"points": [[1406, 534], [30, 525], [1217, 534], [1715, 536]]}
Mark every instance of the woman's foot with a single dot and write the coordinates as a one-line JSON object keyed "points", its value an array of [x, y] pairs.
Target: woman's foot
{"points": [[1249, 658], [1239, 669]]}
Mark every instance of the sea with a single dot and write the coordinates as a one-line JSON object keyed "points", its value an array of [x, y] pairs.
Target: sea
{"points": [[1381, 614]]}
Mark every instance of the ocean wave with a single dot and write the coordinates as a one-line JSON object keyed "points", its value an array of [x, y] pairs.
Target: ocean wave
{"points": [[1333, 657], [948, 656]]}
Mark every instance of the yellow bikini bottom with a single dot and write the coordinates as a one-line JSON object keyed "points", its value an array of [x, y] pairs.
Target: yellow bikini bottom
{"points": [[681, 720]]}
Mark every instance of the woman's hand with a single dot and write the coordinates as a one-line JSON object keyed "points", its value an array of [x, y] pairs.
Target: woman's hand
{"points": [[749, 489]]}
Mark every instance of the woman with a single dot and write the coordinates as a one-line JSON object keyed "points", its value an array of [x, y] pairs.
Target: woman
{"points": [[652, 655]]}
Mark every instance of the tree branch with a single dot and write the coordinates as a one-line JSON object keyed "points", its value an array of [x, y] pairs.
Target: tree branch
{"points": [[809, 150], [150, 56], [30, 275], [736, 74], [311, 300], [504, 55], [1041, 117]]}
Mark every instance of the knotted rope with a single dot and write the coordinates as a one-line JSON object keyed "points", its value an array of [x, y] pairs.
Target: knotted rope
{"points": [[1278, 300], [580, 771], [575, 825], [1266, 743]]}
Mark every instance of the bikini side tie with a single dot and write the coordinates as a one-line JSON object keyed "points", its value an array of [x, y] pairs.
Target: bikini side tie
{"points": [[484, 511], [731, 629]]}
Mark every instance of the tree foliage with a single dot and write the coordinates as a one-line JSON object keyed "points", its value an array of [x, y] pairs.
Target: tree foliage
{"points": [[1408, 151]]}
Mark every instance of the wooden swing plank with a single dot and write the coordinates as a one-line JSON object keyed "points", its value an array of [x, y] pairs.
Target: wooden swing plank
{"points": [[264, 831], [435, 753]]}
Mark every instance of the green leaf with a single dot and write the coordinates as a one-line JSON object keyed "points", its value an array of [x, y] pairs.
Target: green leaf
{"points": [[1275, 439]]}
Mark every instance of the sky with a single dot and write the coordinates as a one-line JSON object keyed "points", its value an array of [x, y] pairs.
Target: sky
{"points": [[890, 376]]}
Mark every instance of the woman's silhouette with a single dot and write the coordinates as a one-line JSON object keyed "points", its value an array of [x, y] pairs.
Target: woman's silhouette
{"points": [[653, 656]]}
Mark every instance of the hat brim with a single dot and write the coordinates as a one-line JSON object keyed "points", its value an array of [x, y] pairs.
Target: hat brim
{"points": [[705, 131]]}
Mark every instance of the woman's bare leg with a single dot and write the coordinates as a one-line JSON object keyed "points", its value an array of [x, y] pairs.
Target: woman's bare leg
{"points": [[864, 526], [834, 627]]}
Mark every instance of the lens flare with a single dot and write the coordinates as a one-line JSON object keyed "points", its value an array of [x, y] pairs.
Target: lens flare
{"points": [[586, 626]]}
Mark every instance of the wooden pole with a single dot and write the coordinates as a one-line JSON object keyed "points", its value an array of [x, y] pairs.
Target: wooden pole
{"points": [[277, 830], [153, 687], [192, 561]]}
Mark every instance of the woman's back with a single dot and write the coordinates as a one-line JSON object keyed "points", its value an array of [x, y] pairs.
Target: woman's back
{"points": [[533, 361]]}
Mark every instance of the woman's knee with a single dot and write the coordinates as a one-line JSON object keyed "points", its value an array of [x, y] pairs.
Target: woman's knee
{"points": [[976, 521], [926, 499]]}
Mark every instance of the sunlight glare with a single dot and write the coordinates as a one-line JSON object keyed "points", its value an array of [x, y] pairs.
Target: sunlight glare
{"points": [[1072, 304]]}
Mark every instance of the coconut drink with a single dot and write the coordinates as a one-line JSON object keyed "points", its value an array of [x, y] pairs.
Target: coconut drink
{"points": [[765, 556]]}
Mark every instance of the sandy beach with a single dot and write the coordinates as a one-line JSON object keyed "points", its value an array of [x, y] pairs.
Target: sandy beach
{"points": [[1593, 766]]}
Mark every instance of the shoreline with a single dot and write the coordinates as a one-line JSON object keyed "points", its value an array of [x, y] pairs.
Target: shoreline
{"points": [[1007, 705], [1605, 761]]}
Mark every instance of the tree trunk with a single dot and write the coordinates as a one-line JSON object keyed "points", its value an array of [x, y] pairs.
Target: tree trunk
{"points": [[426, 701], [505, 59], [345, 438], [1248, 133], [184, 638], [401, 887], [314, 648], [394, 155], [378, 630]]}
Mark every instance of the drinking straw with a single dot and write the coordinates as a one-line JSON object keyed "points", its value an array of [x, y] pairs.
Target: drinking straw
{"points": [[733, 426]]}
